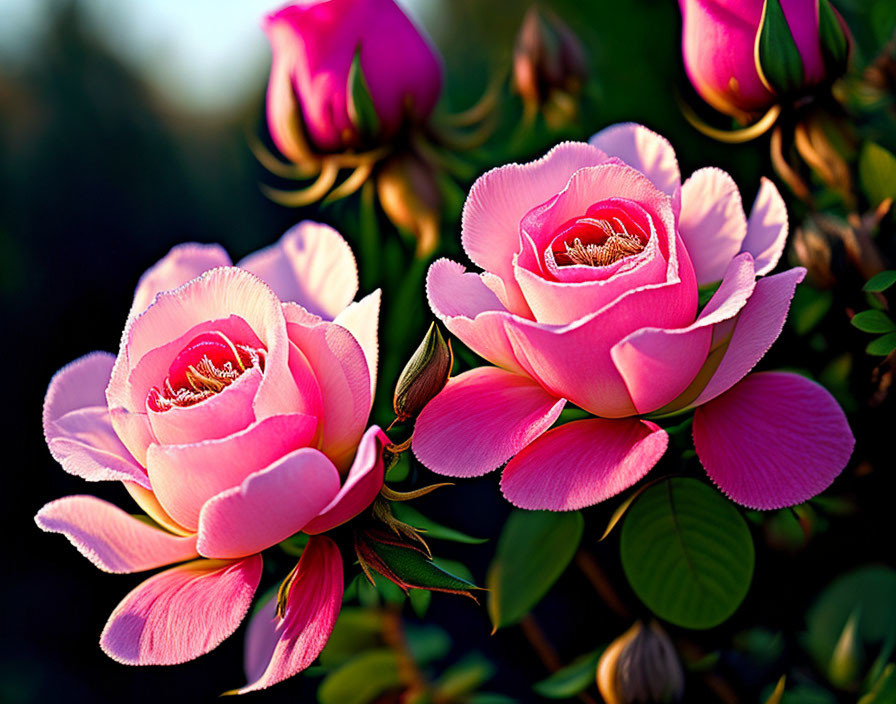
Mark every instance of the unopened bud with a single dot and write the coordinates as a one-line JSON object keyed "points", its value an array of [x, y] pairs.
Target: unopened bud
{"points": [[411, 198], [424, 376], [641, 667], [846, 660]]}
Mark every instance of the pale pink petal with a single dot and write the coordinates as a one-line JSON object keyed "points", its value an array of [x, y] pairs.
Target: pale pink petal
{"points": [[471, 311], [773, 440], [278, 648], [758, 326], [184, 477], [658, 364], [361, 487], [480, 420], [499, 200], [311, 265], [643, 149], [341, 370], [182, 613], [361, 319], [77, 425], [766, 228], [111, 539], [582, 463], [269, 506], [182, 263], [712, 222]]}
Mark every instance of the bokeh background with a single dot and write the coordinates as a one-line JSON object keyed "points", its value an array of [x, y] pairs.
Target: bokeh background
{"points": [[123, 129]]}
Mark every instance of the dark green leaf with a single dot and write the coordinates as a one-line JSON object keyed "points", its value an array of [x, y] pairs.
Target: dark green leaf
{"points": [[687, 553], [533, 551], [777, 57], [361, 108], [834, 45], [873, 321], [490, 698], [880, 282], [356, 630], [882, 346], [420, 599], [808, 308], [427, 642], [883, 691], [431, 529], [416, 570], [877, 173], [464, 677], [572, 679], [362, 679]]}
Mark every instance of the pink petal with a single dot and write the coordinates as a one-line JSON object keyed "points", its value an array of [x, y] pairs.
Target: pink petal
{"points": [[77, 425], [480, 420], [361, 487], [499, 200], [712, 222], [775, 439], [111, 539], [766, 228], [361, 319], [278, 648], [182, 263], [184, 477], [269, 506], [311, 265], [658, 364], [758, 326], [147, 501], [182, 613], [643, 149], [582, 463], [341, 369]]}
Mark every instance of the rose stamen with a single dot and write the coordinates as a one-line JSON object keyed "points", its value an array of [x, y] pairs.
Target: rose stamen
{"points": [[618, 245]]}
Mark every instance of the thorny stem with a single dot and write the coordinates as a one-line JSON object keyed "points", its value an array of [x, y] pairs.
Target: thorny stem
{"points": [[545, 651], [601, 583]]}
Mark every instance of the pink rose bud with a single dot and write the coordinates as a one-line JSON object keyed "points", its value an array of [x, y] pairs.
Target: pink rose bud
{"points": [[743, 56], [346, 72]]}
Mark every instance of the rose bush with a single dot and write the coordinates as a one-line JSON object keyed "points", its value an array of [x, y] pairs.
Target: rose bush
{"points": [[592, 259], [234, 414]]}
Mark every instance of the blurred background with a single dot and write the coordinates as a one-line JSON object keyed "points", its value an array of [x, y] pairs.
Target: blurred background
{"points": [[123, 128]]}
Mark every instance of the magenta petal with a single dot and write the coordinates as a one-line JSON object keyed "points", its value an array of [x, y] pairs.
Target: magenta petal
{"points": [[361, 487], [111, 539], [481, 419], [643, 149], [269, 506], [582, 463], [77, 425], [775, 439], [311, 265], [766, 228], [182, 613], [278, 648], [758, 326]]}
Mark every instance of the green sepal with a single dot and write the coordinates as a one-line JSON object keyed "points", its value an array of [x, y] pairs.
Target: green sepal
{"points": [[361, 109], [834, 44], [777, 57]]}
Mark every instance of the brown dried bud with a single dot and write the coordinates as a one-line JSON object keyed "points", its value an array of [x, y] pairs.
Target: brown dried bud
{"points": [[549, 64], [425, 374], [641, 667], [410, 196]]}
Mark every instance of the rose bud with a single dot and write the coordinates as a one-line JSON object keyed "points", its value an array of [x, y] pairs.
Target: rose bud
{"points": [[425, 374], [743, 57], [549, 65], [409, 193], [640, 666], [313, 93]]}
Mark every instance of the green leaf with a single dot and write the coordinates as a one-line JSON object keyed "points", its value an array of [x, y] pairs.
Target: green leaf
{"points": [[533, 551], [776, 54], [361, 109], [882, 346], [356, 630], [431, 529], [362, 679], [464, 677], [873, 321], [490, 698], [880, 282], [834, 45], [884, 689], [427, 642], [572, 679], [877, 173], [687, 552], [808, 308], [414, 569], [420, 599]]}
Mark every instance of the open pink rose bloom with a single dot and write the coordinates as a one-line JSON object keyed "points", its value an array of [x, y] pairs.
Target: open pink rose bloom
{"points": [[235, 414], [592, 260]]}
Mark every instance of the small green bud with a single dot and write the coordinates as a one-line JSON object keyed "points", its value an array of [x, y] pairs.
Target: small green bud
{"points": [[846, 660], [776, 54], [360, 103], [424, 376]]}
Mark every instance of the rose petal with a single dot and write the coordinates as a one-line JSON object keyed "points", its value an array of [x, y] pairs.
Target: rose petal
{"points": [[111, 539], [269, 506], [361, 487], [361, 319], [278, 648], [181, 613], [480, 420], [643, 149], [311, 265], [773, 440], [766, 228], [582, 463]]}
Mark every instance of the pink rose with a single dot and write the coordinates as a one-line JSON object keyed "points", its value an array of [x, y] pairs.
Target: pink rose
{"points": [[592, 258], [314, 44], [719, 40], [235, 415]]}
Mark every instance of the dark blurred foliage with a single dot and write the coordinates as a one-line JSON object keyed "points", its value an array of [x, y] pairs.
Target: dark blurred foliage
{"points": [[99, 177]]}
